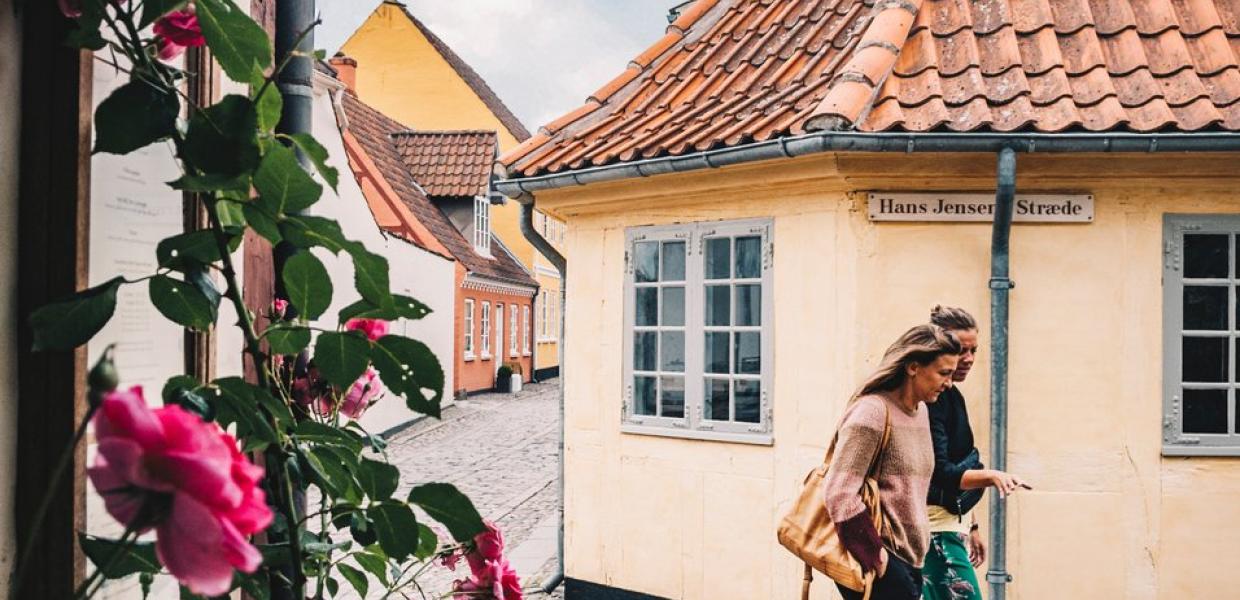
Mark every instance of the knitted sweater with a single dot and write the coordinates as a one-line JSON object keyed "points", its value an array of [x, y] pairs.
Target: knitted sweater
{"points": [[903, 480]]}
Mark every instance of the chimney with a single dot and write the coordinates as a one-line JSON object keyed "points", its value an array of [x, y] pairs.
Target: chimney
{"points": [[346, 72]]}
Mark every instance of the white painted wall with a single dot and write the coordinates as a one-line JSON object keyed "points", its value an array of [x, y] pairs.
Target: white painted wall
{"points": [[10, 121], [414, 271]]}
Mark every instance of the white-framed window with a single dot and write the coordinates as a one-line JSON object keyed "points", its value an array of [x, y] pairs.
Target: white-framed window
{"points": [[525, 329], [513, 345], [698, 332], [543, 322], [482, 224], [486, 329], [469, 328], [1201, 279]]}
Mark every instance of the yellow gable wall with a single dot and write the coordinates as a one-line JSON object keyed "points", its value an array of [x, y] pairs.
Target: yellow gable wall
{"points": [[1109, 518], [401, 74]]}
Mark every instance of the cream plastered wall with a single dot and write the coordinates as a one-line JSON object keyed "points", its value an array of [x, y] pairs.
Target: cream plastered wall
{"points": [[1109, 518]]}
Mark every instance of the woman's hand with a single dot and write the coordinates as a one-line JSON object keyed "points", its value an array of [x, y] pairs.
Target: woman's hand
{"points": [[883, 558], [1004, 483], [977, 548]]}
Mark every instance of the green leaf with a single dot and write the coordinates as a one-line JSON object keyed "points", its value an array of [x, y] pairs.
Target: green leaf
{"points": [[402, 307], [374, 564], [116, 560], [237, 401], [232, 216], [71, 322], [444, 503], [236, 41], [333, 587], [370, 275], [85, 33], [362, 530], [187, 249], [396, 527], [378, 479], [318, 157], [212, 183], [184, 391], [409, 368], [341, 357], [222, 139], [308, 284], [182, 303], [287, 339], [356, 578], [262, 223], [152, 10], [305, 231], [318, 433], [328, 472], [428, 542], [270, 104], [134, 116], [283, 186]]}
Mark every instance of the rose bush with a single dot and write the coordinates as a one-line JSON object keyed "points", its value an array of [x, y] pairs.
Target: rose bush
{"points": [[188, 470]]}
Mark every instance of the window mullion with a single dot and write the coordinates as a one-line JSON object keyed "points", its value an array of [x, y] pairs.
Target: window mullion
{"points": [[694, 359]]}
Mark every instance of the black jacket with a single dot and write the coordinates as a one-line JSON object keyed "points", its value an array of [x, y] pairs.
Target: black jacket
{"points": [[954, 453]]}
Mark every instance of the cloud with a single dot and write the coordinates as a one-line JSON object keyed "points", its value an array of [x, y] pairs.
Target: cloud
{"points": [[543, 57]]}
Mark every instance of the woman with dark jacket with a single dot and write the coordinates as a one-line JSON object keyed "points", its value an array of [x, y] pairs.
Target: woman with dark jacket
{"points": [[959, 478]]}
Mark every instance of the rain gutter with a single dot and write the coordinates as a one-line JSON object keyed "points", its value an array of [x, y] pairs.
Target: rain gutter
{"points": [[545, 248], [838, 141]]}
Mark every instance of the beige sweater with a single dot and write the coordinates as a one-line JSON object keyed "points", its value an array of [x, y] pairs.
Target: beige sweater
{"points": [[903, 479]]}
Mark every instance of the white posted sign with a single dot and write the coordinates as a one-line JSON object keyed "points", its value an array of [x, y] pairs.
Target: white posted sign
{"points": [[970, 207]]}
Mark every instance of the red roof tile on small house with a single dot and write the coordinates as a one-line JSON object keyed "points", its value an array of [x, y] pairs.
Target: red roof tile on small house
{"points": [[449, 163], [730, 72]]}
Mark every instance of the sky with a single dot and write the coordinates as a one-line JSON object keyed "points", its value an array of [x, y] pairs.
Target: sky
{"points": [[543, 57]]}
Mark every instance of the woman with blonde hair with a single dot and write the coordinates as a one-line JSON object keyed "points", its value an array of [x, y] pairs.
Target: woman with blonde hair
{"points": [[914, 370]]}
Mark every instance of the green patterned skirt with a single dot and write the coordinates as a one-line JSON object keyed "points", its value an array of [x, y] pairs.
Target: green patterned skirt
{"points": [[948, 575]]}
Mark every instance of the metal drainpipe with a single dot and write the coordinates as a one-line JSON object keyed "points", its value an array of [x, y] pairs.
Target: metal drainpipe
{"points": [[1005, 195], [561, 264]]}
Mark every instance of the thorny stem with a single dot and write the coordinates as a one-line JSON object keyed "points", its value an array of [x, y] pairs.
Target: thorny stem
{"points": [[284, 61]]}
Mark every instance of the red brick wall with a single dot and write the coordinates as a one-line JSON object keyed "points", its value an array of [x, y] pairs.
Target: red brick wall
{"points": [[478, 374]]}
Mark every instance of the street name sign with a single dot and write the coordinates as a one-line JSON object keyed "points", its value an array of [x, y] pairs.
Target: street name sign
{"points": [[979, 207]]}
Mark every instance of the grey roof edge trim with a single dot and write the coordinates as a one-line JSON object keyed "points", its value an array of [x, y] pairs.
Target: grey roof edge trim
{"points": [[837, 141]]}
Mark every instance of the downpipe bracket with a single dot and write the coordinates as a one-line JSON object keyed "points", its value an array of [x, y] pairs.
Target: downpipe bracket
{"points": [[998, 577], [1002, 283]]}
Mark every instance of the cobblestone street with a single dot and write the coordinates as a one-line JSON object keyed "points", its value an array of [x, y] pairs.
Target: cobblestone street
{"points": [[502, 451]]}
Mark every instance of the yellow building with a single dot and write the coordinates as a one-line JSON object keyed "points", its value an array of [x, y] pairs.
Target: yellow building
{"points": [[773, 192], [406, 72]]}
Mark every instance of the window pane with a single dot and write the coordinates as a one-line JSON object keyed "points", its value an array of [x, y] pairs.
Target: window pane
{"points": [[647, 307], [1205, 411], [748, 257], [1205, 308], [716, 408], [1205, 360], [674, 306], [646, 261], [748, 403], [672, 396], [1205, 256], [645, 351], [643, 396], [673, 351], [716, 354], [718, 258], [673, 261], [718, 305], [748, 353], [748, 305]]}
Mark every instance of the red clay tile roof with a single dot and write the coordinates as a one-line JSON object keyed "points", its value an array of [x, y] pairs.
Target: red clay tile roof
{"points": [[729, 72], [471, 77], [450, 163], [375, 132]]}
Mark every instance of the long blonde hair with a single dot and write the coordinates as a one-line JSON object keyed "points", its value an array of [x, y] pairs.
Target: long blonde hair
{"points": [[922, 345]]}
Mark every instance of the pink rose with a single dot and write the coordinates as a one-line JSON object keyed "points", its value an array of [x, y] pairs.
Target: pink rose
{"points": [[373, 328], [492, 577], [450, 559], [71, 8], [362, 394], [169, 470], [176, 31], [279, 306]]}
